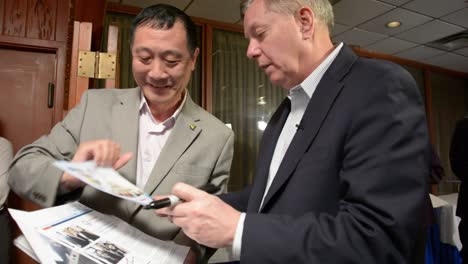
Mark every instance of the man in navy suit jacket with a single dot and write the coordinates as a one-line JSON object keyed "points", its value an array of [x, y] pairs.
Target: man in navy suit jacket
{"points": [[459, 164], [343, 163]]}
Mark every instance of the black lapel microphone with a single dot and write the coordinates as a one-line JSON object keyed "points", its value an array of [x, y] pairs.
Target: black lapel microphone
{"points": [[299, 126]]}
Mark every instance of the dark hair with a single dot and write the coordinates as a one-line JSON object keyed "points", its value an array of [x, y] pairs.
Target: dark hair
{"points": [[162, 16]]}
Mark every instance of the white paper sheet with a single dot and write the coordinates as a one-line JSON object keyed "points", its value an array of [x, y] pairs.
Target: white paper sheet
{"points": [[105, 179], [74, 233]]}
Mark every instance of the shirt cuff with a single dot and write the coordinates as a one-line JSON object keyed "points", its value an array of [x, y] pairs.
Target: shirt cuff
{"points": [[237, 243]]}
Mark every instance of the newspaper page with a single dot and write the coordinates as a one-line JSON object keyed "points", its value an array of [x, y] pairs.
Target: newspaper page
{"points": [[24, 245], [74, 233], [105, 179]]}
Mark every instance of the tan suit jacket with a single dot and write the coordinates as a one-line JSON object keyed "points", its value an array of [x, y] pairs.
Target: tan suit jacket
{"points": [[198, 150]]}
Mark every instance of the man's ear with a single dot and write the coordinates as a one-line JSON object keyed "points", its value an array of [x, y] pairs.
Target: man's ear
{"points": [[306, 20], [194, 58]]}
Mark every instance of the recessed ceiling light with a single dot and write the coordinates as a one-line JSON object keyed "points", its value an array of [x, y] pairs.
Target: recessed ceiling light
{"points": [[393, 24]]}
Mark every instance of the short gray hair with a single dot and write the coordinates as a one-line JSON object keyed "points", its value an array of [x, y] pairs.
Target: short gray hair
{"points": [[323, 10]]}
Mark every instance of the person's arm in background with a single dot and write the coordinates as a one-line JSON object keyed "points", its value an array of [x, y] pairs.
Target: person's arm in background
{"points": [[6, 155], [459, 149]]}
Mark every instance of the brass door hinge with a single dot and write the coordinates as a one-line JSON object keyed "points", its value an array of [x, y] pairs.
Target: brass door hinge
{"points": [[98, 65]]}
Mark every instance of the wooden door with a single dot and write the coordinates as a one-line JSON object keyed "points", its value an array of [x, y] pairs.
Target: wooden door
{"points": [[24, 77], [24, 111]]}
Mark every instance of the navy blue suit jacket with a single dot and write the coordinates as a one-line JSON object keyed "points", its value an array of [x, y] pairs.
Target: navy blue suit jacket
{"points": [[459, 164], [353, 183]]}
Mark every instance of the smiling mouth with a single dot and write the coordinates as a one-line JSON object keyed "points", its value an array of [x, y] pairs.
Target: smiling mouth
{"points": [[159, 86]]}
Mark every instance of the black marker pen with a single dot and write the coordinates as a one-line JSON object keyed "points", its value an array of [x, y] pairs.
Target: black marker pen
{"points": [[172, 200]]}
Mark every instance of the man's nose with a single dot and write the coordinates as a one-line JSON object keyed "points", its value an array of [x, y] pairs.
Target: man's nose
{"points": [[253, 49], [158, 70]]}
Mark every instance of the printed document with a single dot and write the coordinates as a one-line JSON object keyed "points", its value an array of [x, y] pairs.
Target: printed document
{"points": [[105, 179], [73, 233]]}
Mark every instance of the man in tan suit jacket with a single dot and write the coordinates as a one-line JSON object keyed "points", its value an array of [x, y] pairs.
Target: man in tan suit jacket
{"points": [[193, 147]]}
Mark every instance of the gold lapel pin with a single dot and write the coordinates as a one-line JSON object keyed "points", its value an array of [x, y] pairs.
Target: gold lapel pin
{"points": [[192, 126]]}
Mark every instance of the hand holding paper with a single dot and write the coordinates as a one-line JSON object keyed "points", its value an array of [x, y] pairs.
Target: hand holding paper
{"points": [[105, 179], [104, 153]]}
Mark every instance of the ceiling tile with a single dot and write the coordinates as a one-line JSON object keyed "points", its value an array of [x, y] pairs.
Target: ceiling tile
{"points": [[430, 31], [463, 52], [408, 19], [435, 8], [338, 29], [363, 10], [458, 18], [419, 53], [219, 10], [390, 45], [181, 4], [395, 2], [358, 37]]}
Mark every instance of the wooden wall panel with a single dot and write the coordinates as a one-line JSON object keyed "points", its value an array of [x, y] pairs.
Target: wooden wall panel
{"points": [[63, 25], [2, 11], [15, 15], [41, 19]]}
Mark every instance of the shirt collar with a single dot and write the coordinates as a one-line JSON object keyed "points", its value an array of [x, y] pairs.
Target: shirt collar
{"points": [[144, 108], [311, 82]]}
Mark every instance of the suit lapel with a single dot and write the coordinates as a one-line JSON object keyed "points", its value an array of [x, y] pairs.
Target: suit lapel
{"points": [[125, 116], [185, 131], [319, 105], [267, 147]]}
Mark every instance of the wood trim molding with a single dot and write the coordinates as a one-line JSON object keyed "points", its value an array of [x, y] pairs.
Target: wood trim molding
{"points": [[73, 66], [122, 9], [432, 68], [113, 47], [219, 25], [35, 44], [60, 83]]}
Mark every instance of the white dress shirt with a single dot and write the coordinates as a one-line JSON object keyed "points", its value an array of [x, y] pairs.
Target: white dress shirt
{"points": [[300, 97], [152, 136]]}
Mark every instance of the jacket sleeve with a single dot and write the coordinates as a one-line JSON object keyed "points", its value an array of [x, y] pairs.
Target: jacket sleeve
{"points": [[238, 200], [32, 175], [459, 149], [222, 169]]}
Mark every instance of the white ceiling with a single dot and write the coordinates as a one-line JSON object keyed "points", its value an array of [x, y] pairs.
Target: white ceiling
{"points": [[362, 23]]}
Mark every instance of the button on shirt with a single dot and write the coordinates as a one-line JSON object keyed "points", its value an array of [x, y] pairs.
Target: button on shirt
{"points": [[300, 97], [152, 137]]}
